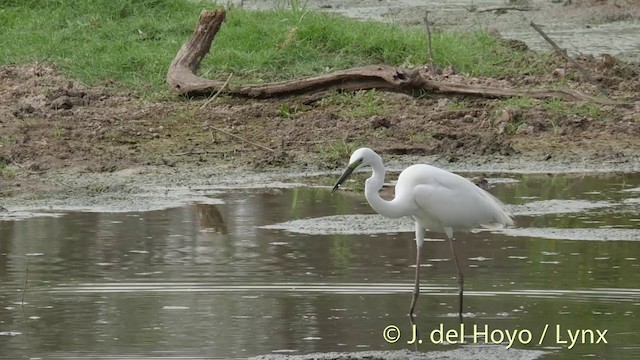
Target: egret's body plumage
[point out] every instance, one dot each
(437, 200)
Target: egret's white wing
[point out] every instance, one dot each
(453, 201)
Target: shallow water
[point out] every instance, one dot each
(234, 278)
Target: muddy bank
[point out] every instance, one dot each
(51, 123)
(154, 188)
(157, 187)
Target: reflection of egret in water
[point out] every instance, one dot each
(7, 234)
(341, 252)
(415, 332)
(210, 218)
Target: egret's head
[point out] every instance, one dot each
(359, 158)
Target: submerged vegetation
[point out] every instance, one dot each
(132, 42)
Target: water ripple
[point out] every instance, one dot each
(601, 234)
(604, 294)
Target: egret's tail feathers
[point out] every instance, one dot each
(505, 219)
(501, 215)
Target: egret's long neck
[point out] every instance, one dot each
(390, 209)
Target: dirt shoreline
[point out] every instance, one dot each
(146, 188)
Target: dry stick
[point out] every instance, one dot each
(241, 139)
(504, 8)
(24, 168)
(199, 152)
(563, 53)
(426, 21)
(217, 93)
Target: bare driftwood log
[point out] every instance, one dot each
(182, 79)
(181, 76)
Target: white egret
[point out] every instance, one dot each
(437, 200)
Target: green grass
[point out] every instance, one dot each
(557, 106)
(358, 104)
(6, 169)
(334, 153)
(514, 104)
(132, 42)
(457, 105)
(517, 103)
(566, 108)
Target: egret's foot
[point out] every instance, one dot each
(414, 301)
(411, 311)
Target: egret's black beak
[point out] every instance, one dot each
(345, 175)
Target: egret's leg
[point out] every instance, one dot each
(460, 277)
(416, 290)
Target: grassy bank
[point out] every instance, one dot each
(132, 42)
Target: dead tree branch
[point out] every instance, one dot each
(431, 63)
(505, 9)
(563, 53)
(217, 92)
(241, 139)
(182, 79)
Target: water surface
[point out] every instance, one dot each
(226, 280)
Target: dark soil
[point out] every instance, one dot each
(49, 123)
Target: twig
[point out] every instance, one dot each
(24, 168)
(305, 141)
(504, 8)
(198, 152)
(217, 93)
(241, 139)
(426, 21)
(564, 54)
